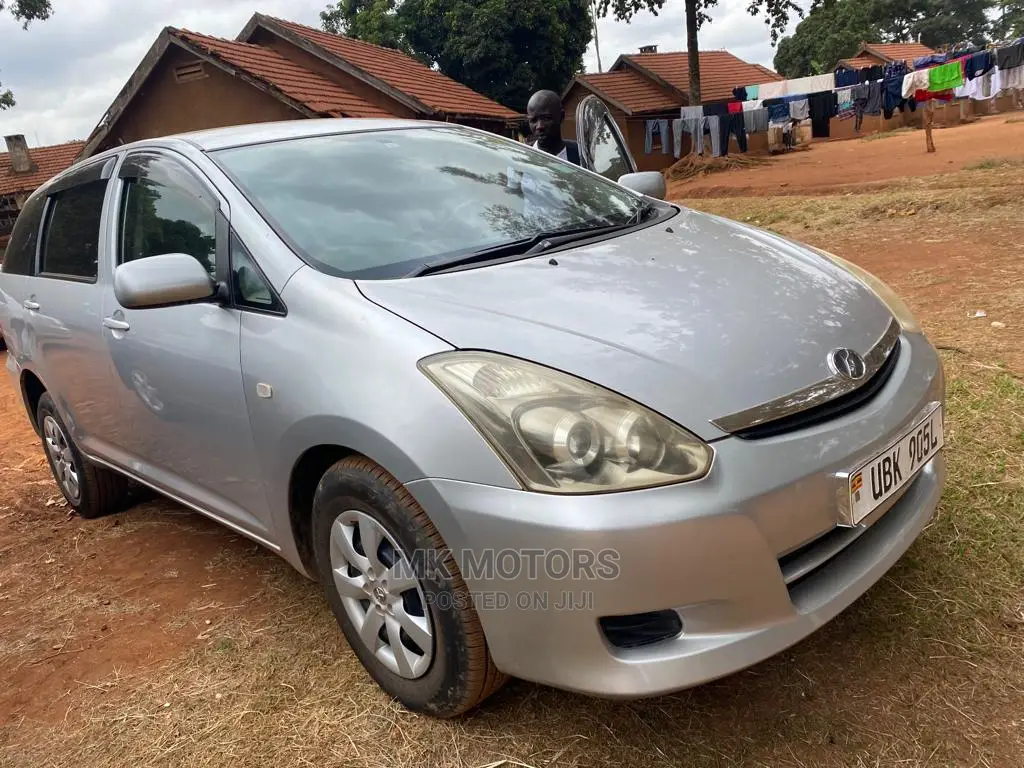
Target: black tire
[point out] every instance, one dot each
(101, 491)
(461, 673)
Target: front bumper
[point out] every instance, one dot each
(708, 550)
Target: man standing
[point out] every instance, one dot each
(545, 114)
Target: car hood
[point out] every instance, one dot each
(696, 317)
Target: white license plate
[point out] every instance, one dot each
(893, 468)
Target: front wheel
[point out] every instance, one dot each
(397, 593)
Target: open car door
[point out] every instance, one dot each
(603, 149)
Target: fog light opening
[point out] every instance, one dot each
(641, 629)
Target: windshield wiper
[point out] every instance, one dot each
(534, 244)
(527, 246)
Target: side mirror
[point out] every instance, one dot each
(156, 281)
(650, 183)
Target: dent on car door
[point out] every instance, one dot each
(603, 149)
(63, 300)
(182, 415)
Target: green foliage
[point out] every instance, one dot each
(504, 49)
(1009, 20)
(835, 29)
(25, 11)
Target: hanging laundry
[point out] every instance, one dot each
(719, 108)
(695, 127)
(691, 112)
(844, 97)
(1009, 57)
(715, 129)
(945, 77)
(812, 84)
(735, 106)
(978, 64)
(753, 92)
(772, 90)
(752, 104)
(923, 62)
(677, 137)
(799, 109)
(778, 110)
(1011, 78)
(823, 107)
(740, 93)
(846, 77)
(656, 129)
(755, 120)
(915, 81)
(867, 74)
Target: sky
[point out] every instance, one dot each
(66, 71)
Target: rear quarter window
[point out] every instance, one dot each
(71, 242)
(20, 258)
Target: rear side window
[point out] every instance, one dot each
(20, 258)
(71, 243)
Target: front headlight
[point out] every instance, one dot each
(561, 434)
(888, 296)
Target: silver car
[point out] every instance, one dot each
(516, 418)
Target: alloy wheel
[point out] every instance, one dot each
(64, 468)
(381, 594)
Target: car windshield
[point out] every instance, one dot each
(378, 204)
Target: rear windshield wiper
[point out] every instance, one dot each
(528, 246)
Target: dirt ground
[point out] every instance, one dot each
(155, 637)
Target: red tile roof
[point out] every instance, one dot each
(295, 81)
(49, 162)
(859, 62)
(897, 51)
(405, 74)
(632, 90)
(720, 72)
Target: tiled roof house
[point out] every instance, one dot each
(22, 171)
(872, 54)
(645, 86)
(279, 70)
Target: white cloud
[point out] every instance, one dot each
(731, 28)
(67, 70)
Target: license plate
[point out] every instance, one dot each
(893, 468)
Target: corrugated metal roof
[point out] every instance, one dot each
(49, 162)
(295, 81)
(405, 74)
(632, 90)
(720, 72)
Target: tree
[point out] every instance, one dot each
(25, 11)
(504, 49)
(776, 14)
(828, 33)
(1009, 23)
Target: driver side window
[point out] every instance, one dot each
(166, 210)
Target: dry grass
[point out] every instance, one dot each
(693, 166)
(925, 670)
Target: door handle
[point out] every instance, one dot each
(31, 306)
(114, 324)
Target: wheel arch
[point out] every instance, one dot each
(32, 389)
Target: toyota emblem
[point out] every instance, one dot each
(846, 363)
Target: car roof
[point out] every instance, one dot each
(238, 135)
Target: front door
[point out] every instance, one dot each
(602, 146)
(183, 423)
